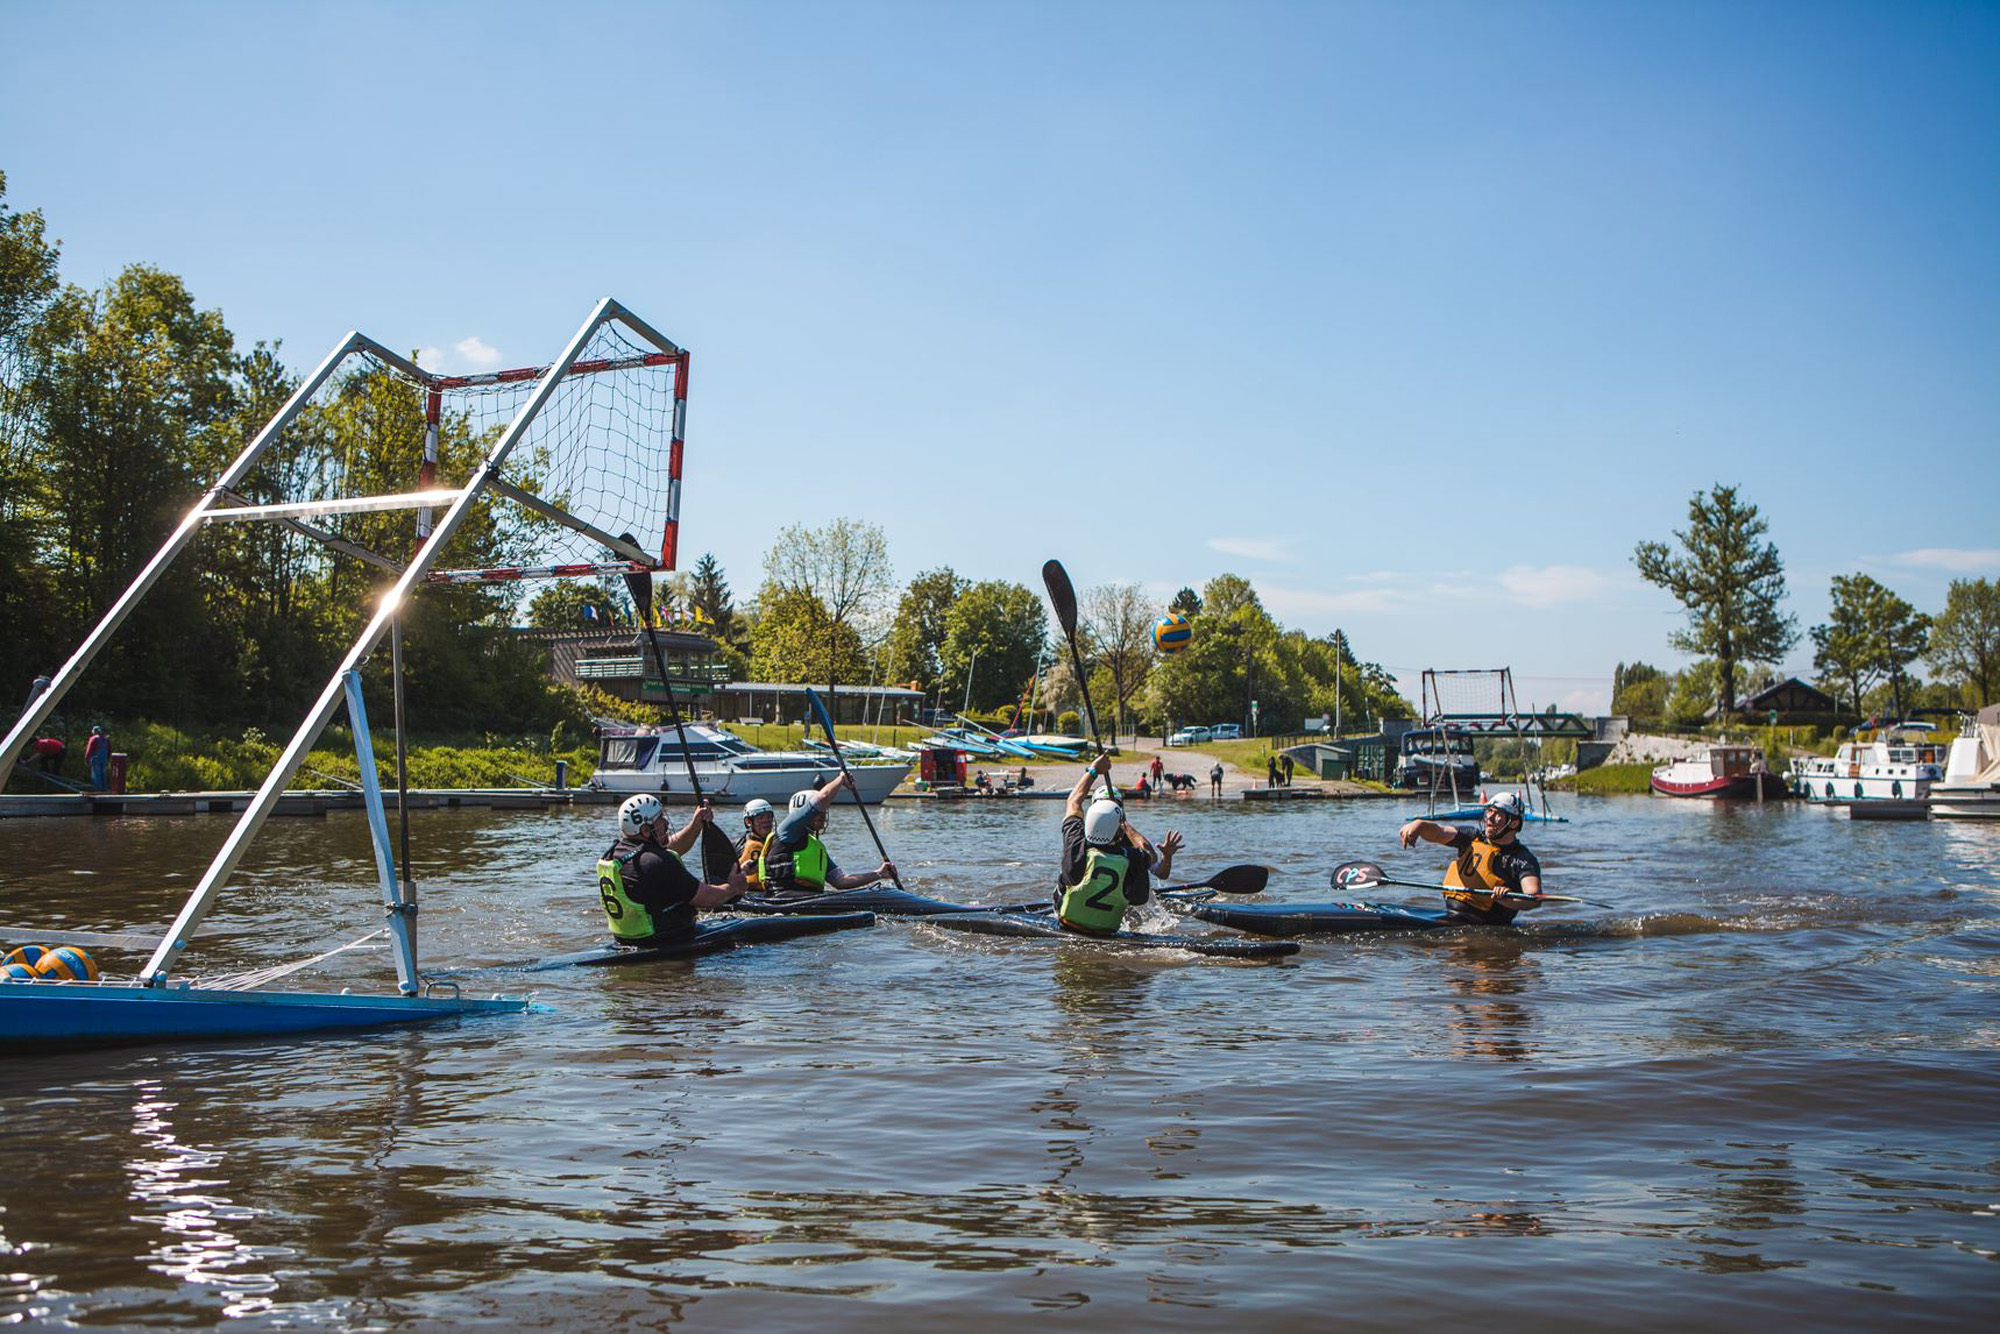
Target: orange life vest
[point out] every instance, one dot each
(1474, 871)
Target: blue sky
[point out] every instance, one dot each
(1417, 315)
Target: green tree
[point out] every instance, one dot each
(562, 605)
(1117, 628)
(915, 646)
(1871, 635)
(1005, 625)
(708, 593)
(798, 642)
(1729, 582)
(1640, 692)
(1186, 603)
(31, 621)
(1965, 639)
(844, 565)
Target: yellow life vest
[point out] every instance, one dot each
(629, 920)
(804, 869)
(1098, 903)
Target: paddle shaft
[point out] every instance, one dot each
(1062, 595)
(640, 585)
(1498, 893)
(833, 743)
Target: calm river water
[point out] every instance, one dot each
(1763, 1090)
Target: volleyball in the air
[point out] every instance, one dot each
(27, 956)
(67, 964)
(1172, 632)
(16, 972)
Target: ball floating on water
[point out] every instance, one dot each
(28, 956)
(1172, 632)
(67, 964)
(16, 972)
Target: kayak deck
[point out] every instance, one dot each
(708, 938)
(885, 900)
(1038, 927)
(1317, 919)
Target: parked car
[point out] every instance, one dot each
(1190, 736)
(1225, 732)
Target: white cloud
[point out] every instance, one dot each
(478, 352)
(1959, 560)
(1290, 604)
(1252, 548)
(1552, 585)
(430, 358)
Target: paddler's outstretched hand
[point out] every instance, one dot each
(1102, 764)
(886, 872)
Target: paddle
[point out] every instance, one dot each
(718, 854)
(826, 723)
(1062, 596)
(1367, 875)
(1229, 880)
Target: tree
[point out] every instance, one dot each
(564, 605)
(1640, 692)
(1965, 639)
(1872, 634)
(915, 645)
(708, 593)
(1005, 625)
(799, 642)
(1118, 627)
(31, 624)
(844, 565)
(1730, 584)
(1185, 603)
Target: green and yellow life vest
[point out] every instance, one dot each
(628, 920)
(1098, 904)
(805, 869)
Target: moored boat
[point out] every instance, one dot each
(1970, 787)
(1898, 762)
(650, 759)
(1723, 772)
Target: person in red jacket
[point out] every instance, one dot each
(97, 754)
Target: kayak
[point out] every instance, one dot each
(708, 938)
(1479, 812)
(1042, 927)
(1316, 919)
(886, 900)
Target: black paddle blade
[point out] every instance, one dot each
(718, 854)
(1061, 594)
(1238, 880)
(639, 584)
(1357, 875)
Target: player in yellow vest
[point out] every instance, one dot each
(758, 817)
(1491, 861)
(1107, 865)
(795, 861)
(649, 897)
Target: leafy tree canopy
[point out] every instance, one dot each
(1965, 640)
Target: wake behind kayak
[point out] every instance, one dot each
(1042, 927)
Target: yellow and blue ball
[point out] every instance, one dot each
(67, 964)
(28, 956)
(17, 972)
(1172, 632)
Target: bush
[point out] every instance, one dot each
(1069, 722)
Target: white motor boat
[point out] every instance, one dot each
(1899, 762)
(1970, 789)
(731, 770)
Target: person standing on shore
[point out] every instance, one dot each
(1155, 769)
(1215, 781)
(97, 754)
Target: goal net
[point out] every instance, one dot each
(1469, 696)
(380, 448)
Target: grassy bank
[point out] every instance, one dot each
(1610, 780)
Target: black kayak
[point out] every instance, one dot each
(1043, 927)
(708, 938)
(886, 900)
(1317, 919)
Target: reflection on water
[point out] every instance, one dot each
(1659, 1114)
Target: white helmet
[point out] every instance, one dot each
(801, 799)
(755, 807)
(1510, 805)
(1101, 821)
(638, 812)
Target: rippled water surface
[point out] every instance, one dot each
(1762, 1089)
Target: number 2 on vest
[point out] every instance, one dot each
(1099, 897)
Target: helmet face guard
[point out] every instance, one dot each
(1510, 809)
